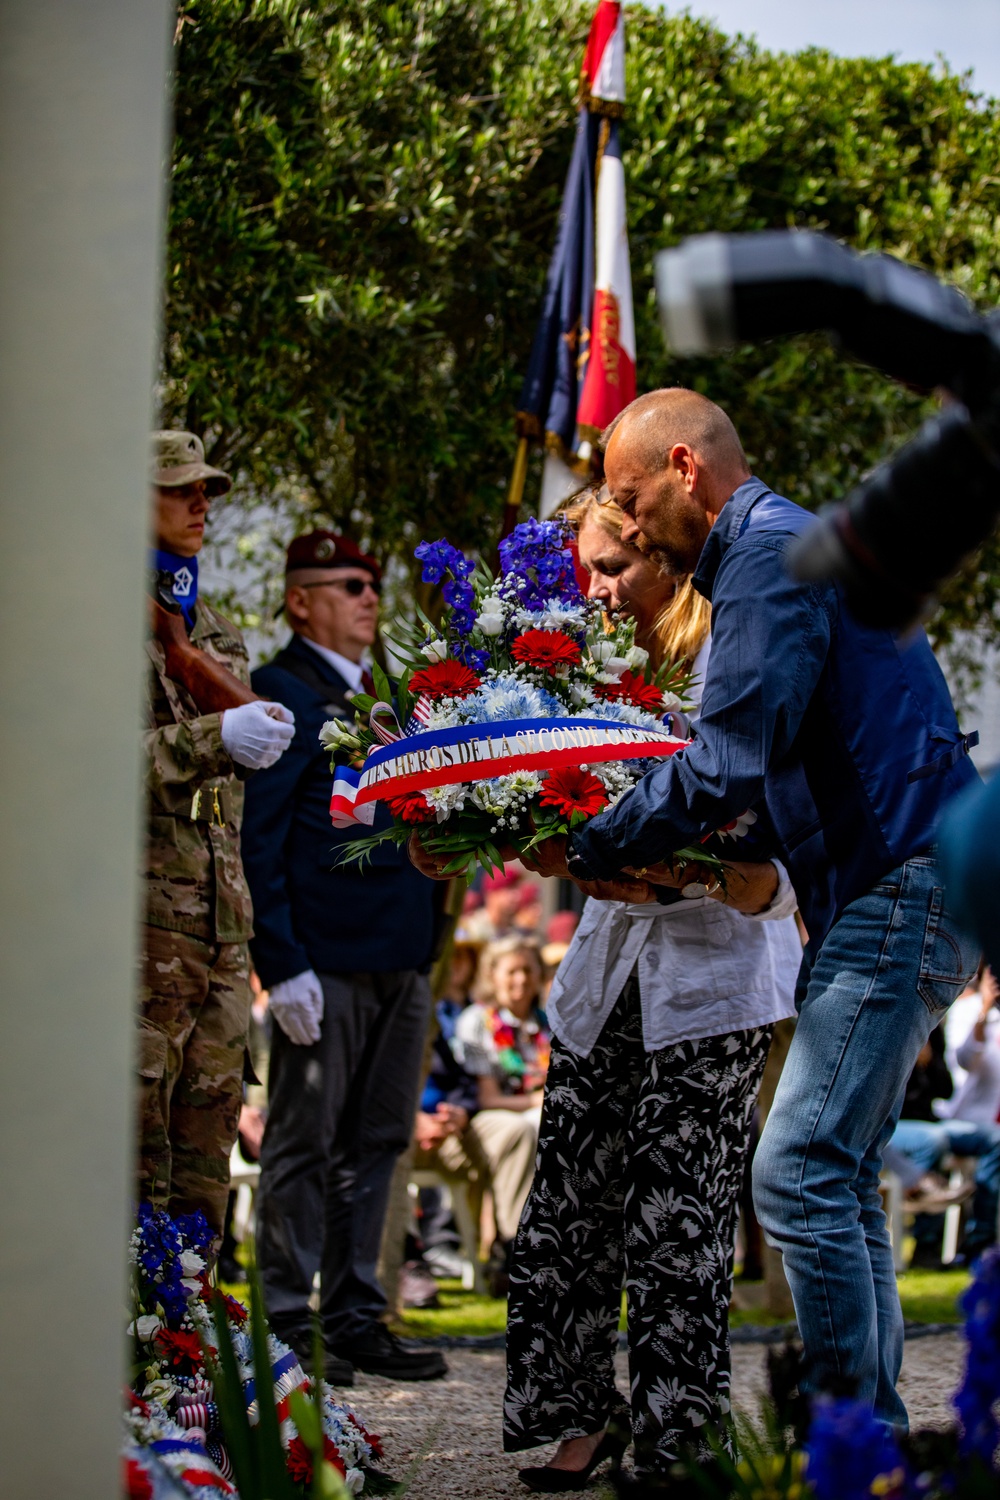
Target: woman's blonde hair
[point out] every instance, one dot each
(514, 942)
(681, 628)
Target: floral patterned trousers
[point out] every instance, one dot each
(641, 1158)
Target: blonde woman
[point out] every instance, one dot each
(661, 1018)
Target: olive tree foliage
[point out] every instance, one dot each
(364, 200)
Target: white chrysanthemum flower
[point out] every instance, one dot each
(446, 799)
(556, 616)
(442, 715)
(582, 694)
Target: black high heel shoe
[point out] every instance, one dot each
(548, 1481)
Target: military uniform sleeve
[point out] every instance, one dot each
(181, 757)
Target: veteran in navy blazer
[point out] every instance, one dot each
(345, 954)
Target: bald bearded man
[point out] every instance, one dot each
(846, 739)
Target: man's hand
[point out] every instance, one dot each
(257, 734)
(431, 865)
(747, 887)
(430, 1130)
(549, 858)
(750, 888)
(297, 1006)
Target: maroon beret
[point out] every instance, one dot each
(325, 549)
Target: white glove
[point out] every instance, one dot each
(257, 734)
(297, 1006)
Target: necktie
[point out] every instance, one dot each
(368, 683)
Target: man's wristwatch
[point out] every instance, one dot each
(576, 866)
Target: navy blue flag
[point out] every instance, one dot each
(558, 364)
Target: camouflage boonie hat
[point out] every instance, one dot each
(179, 458)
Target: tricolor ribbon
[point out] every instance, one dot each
(476, 752)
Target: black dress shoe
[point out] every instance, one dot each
(548, 1481)
(335, 1370)
(379, 1352)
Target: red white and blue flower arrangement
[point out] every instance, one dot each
(524, 713)
(179, 1435)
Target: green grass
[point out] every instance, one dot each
(460, 1313)
(926, 1296)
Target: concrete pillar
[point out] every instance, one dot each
(83, 96)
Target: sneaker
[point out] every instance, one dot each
(444, 1262)
(379, 1352)
(335, 1370)
(932, 1194)
(417, 1287)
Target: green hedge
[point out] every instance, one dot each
(364, 200)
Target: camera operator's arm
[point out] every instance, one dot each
(770, 638)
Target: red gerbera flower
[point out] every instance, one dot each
(574, 790)
(411, 807)
(179, 1348)
(299, 1461)
(631, 688)
(371, 1438)
(444, 679)
(548, 649)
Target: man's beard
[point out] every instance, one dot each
(667, 558)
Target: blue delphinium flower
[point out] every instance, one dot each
(537, 565)
(848, 1449)
(975, 1398)
(158, 1245)
(440, 559)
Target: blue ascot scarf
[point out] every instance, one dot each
(185, 571)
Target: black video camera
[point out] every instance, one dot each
(910, 524)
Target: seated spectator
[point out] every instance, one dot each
(919, 1146)
(503, 1041)
(501, 902)
(972, 1033)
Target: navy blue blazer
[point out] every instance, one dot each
(308, 912)
(847, 733)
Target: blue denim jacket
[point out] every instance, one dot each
(847, 734)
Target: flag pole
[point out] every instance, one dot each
(515, 490)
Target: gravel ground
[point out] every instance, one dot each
(445, 1434)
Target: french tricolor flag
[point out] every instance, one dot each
(581, 373)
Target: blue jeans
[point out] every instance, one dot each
(924, 1142)
(884, 975)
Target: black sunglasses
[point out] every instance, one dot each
(353, 586)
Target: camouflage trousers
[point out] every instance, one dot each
(194, 1014)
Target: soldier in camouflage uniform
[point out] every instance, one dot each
(195, 993)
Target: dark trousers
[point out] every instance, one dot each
(340, 1113)
(641, 1157)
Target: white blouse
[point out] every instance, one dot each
(703, 968)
